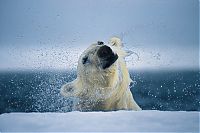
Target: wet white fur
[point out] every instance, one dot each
(102, 90)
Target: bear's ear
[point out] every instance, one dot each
(70, 89)
(115, 41)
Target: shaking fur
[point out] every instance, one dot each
(101, 89)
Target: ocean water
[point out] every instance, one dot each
(153, 90)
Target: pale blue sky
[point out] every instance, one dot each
(163, 32)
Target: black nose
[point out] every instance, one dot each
(104, 52)
(107, 57)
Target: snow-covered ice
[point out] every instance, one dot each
(123, 121)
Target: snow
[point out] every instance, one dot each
(116, 121)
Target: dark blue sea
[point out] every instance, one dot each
(38, 91)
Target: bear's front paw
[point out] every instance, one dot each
(66, 90)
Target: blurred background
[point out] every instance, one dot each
(41, 40)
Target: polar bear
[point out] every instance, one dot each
(103, 80)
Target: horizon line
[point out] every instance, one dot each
(75, 69)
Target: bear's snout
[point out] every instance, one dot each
(104, 52)
(107, 56)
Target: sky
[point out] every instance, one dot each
(51, 34)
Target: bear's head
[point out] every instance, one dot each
(98, 56)
(101, 68)
(96, 62)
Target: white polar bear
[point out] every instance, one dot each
(103, 80)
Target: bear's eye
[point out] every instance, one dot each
(85, 60)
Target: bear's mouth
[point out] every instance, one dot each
(107, 56)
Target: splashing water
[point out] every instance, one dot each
(40, 91)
